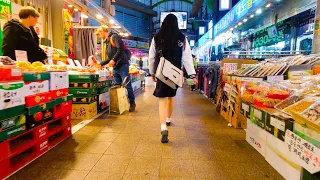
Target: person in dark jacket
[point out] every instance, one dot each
(20, 35)
(117, 57)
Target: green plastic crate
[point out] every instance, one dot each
(41, 76)
(81, 92)
(83, 78)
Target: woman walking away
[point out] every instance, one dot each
(173, 46)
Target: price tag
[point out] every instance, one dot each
(71, 63)
(229, 68)
(245, 107)
(302, 152)
(258, 114)
(78, 64)
(274, 78)
(278, 124)
(21, 55)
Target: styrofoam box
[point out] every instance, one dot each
(59, 80)
(261, 133)
(253, 139)
(283, 168)
(37, 87)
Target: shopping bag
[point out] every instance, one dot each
(118, 98)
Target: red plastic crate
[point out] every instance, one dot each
(62, 109)
(45, 139)
(60, 93)
(38, 99)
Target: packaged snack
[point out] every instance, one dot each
(300, 106)
(313, 113)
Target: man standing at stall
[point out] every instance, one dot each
(117, 58)
(20, 35)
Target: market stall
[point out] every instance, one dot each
(277, 102)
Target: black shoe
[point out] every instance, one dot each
(165, 138)
(132, 108)
(168, 123)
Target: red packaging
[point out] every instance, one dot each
(38, 99)
(60, 93)
(10, 73)
(62, 109)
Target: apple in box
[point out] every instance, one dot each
(36, 87)
(12, 94)
(59, 80)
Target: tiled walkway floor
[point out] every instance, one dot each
(201, 146)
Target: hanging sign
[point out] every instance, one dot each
(242, 8)
(303, 152)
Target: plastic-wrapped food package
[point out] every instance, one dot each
(288, 101)
(269, 95)
(301, 105)
(313, 113)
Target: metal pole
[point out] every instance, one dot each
(316, 33)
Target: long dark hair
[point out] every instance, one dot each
(169, 32)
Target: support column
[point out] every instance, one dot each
(316, 33)
(57, 24)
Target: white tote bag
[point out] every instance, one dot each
(169, 74)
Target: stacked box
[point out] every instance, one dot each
(84, 88)
(103, 95)
(37, 115)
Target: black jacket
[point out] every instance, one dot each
(116, 53)
(18, 37)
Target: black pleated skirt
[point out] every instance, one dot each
(162, 90)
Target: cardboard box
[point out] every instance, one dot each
(37, 115)
(12, 94)
(258, 116)
(37, 99)
(81, 92)
(245, 109)
(260, 133)
(83, 77)
(136, 85)
(282, 166)
(84, 100)
(12, 112)
(12, 126)
(36, 76)
(82, 85)
(10, 73)
(307, 134)
(36, 87)
(240, 122)
(59, 80)
(60, 93)
(257, 143)
(63, 106)
(84, 111)
(103, 101)
(277, 126)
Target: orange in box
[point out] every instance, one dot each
(60, 93)
(38, 99)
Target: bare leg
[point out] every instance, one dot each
(163, 115)
(170, 106)
(163, 110)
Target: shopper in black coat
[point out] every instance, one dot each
(20, 35)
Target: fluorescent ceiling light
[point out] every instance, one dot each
(99, 16)
(121, 34)
(125, 34)
(259, 11)
(252, 16)
(231, 29)
(268, 5)
(236, 26)
(240, 23)
(245, 20)
(116, 27)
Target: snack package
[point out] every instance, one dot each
(313, 113)
(288, 102)
(301, 105)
